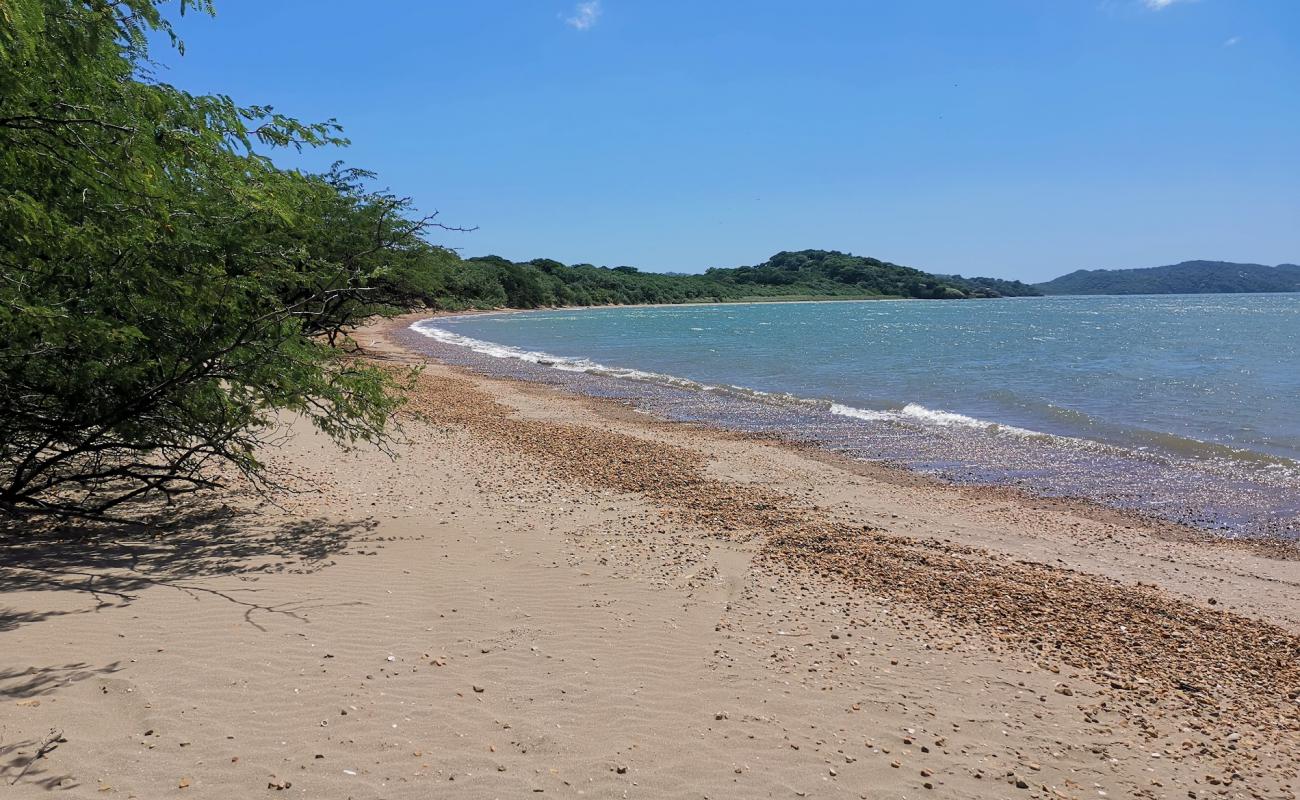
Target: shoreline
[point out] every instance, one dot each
(1203, 486)
(1274, 547)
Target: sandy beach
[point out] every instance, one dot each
(543, 594)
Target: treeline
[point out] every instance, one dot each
(445, 281)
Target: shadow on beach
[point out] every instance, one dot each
(111, 563)
(93, 567)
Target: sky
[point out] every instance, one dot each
(1009, 138)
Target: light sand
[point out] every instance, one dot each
(546, 594)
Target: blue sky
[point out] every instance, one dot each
(1013, 138)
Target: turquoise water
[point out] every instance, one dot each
(1210, 381)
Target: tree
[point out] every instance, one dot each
(378, 259)
(161, 280)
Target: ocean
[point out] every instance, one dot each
(1184, 407)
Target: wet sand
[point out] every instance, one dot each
(549, 594)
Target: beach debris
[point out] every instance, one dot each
(48, 744)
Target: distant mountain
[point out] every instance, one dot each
(1189, 277)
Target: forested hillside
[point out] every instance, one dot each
(1189, 277)
(443, 280)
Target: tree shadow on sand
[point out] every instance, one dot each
(23, 760)
(92, 567)
(111, 563)
(21, 684)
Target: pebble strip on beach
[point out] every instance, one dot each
(1231, 679)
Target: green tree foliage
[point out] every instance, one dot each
(162, 283)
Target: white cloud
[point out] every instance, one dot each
(1232, 41)
(584, 16)
(1157, 5)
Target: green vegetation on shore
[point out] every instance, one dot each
(1189, 277)
(448, 282)
(165, 289)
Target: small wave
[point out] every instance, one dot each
(917, 413)
(540, 358)
(1145, 440)
(943, 418)
(1211, 451)
(949, 418)
(862, 413)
